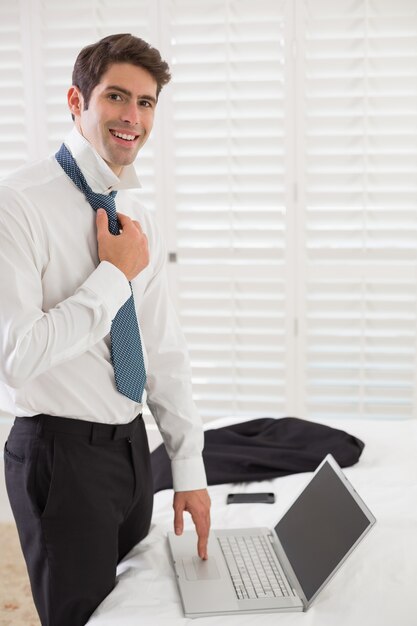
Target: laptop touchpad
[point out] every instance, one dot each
(196, 569)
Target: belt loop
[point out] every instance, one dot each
(93, 434)
(39, 427)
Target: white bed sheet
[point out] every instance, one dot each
(375, 587)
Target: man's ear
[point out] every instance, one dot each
(75, 101)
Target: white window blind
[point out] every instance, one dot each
(357, 124)
(281, 170)
(230, 187)
(13, 129)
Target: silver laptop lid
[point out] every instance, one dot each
(321, 528)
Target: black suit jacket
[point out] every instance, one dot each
(262, 449)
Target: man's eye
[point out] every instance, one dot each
(115, 96)
(145, 103)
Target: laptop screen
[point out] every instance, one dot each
(320, 528)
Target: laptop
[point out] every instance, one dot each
(261, 570)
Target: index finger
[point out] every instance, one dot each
(202, 526)
(125, 220)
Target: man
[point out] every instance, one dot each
(85, 319)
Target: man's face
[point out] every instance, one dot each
(120, 113)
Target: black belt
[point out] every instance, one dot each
(94, 430)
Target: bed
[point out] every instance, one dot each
(376, 585)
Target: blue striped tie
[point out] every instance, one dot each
(126, 347)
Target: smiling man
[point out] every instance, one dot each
(86, 325)
(117, 117)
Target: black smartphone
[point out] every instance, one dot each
(250, 498)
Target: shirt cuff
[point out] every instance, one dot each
(188, 474)
(110, 285)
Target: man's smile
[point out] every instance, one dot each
(123, 136)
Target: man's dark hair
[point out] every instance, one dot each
(94, 60)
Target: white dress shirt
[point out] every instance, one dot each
(57, 302)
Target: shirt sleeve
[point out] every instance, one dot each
(168, 385)
(33, 340)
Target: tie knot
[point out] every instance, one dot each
(102, 201)
(106, 202)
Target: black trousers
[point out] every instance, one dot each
(81, 494)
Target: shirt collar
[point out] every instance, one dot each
(97, 173)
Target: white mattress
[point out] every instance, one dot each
(375, 587)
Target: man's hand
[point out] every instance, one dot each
(197, 503)
(127, 251)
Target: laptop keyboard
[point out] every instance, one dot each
(253, 568)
